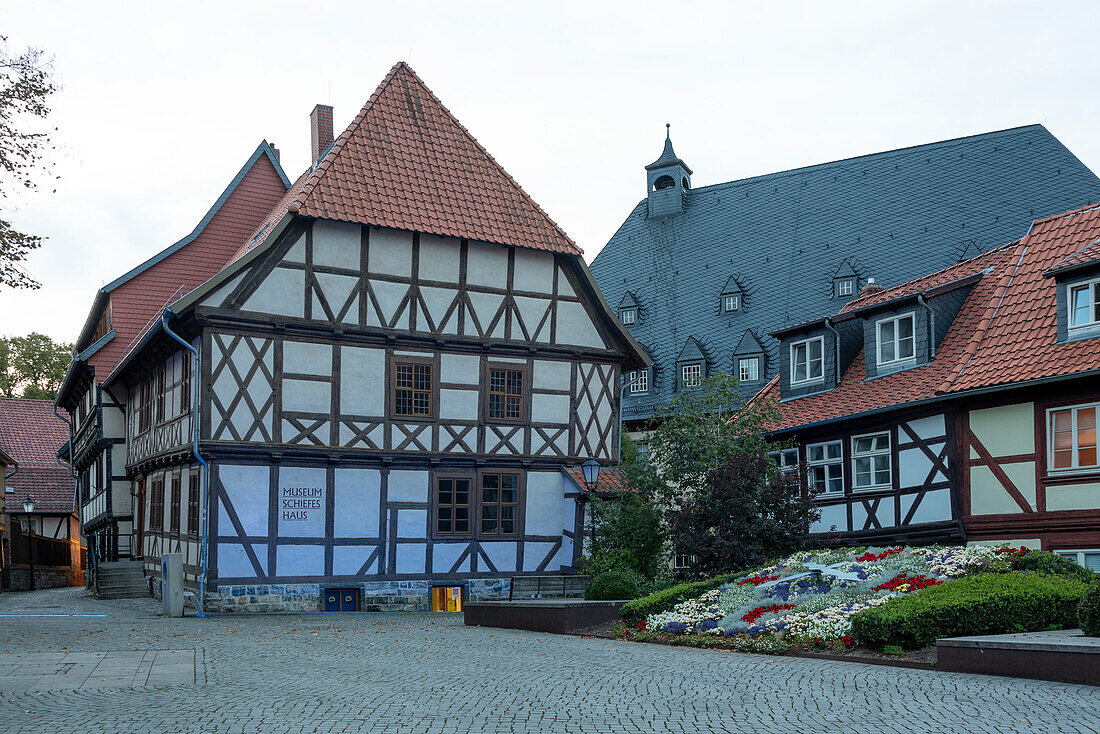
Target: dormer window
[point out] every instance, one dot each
(731, 302)
(845, 287)
(896, 340)
(691, 374)
(748, 369)
(638, 381)
(808, 361)
(628, 316)
(1084, 304)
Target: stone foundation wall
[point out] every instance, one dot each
(374, 596)
(46, 578)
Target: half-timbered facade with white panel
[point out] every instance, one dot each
(391, 383)
(962, 404)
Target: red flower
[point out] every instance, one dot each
(869, 556)
(915, 582)
(1012, 551)
(848, 641)
(640, 625)
(757, 613)
(756, 580)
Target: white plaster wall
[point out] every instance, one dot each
(439, 258)
(356, 503)
(503, 554)
(1006, 429)
(988, 497)
(304, 477)
(552, 375)
(307, 396)
(307, 358)
(564, 289)
(297, 251)
(362, 381)
(928, 427)
(935, 507)
(833, 517)
(534, 271)
(1073, 497)
(459, 405)
(390, 252)
(282, 292)
(247, 488)
(444, 556)
(545, 496)
(300, 560)
(336, 244)
(407, 486)
(884, 515)
(533, 553)
(389, 296)
(550, 408)
(218, 297)
(487, 265)
(233, 561)
(460, 369)
(438, 301)
(348, 559)
(914, 465)
(411, 558)
(412, 523)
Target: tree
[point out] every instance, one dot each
(750, 512)
(32, 366)
(628, 527)
(25, 86)
(697, 431)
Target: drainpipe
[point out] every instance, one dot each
(76, 488)
(836, 351)
(165, 316)
(931, 323)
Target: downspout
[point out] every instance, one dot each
(195, 366)
(836, 350)
(76, 489)
(931, 323)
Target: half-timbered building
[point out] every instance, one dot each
(959, 405)
(390, 379)
(121, 313)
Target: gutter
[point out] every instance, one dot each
(165, 316)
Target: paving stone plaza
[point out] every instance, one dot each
(429, 673)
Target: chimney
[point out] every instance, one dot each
(320, 123)
(275, 152)
(870, 288)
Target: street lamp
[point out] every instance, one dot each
(591, 471)
(28, 507)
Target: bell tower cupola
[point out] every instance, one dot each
(668, 180)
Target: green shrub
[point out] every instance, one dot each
(984, 604)
(1088, 610)
(665, 599)
(612, 585)
(1052, 563)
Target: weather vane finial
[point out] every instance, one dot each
(667, 132)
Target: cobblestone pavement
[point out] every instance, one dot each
(428, 673)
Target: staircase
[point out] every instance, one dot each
(121, 580)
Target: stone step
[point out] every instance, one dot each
(144, 593)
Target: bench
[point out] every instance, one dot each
(548, 587)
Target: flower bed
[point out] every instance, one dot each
(748, 613)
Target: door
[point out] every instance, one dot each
(341, 600)
(138, 551)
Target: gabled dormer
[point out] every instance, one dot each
(668, 179)
(691, 365)
(814, 356)
(1078, 294)
(630, 310)
(732, 298)
(750, 360)
(845, 283)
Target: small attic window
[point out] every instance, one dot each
(628, 316)
(748, 369)
(731, 302)
(845, 287)
(691, 374)
(664, 182)
(1084, 304)
(684, 183)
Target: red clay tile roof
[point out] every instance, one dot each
(1005, 333)
(406, 162)
(1087, 255)
(32, 434)
(612, 480)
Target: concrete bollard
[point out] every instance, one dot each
(171, 584)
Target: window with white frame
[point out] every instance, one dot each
(785, 459)
(845, 287)
(731, 302)
(808, 361)
(1084, 304)
(643, 453)
(748, 369)
(896, 340)
(691, 374)
(1071, 437)
(683, 561)
(1090, 559)
(825, 467)
(871, 461)
(628, 316)
(639, 380)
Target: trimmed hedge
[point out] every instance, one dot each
(1052, 563)
(665, 599)
(985, 604)
(1088, 611)
(612, 585)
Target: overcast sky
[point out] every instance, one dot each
(160, 107)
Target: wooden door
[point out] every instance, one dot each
(138, 549)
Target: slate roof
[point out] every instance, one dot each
(31, 434)
(893, 216)
(1005, 333)
(406, 162)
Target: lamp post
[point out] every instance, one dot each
(28, 507)
(591, 471)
